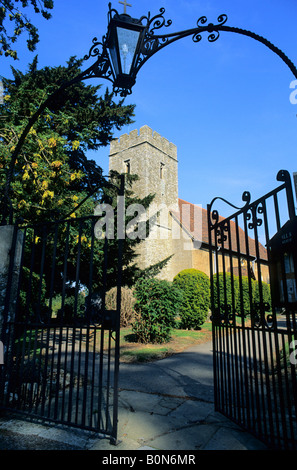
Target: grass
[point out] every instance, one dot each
(131, 351)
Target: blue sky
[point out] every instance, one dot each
(226, 105)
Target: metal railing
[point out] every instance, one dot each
(254, 324)
(61, 344)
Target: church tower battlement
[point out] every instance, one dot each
(146, 134)
(153, 158)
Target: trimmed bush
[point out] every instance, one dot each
(156, 307)
(266, 295)
(228, 292)
(195, 288)
(233, 292)
(127, 304)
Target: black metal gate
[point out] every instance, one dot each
(61, 344)
(253, 263)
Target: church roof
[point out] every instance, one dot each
(199, 231)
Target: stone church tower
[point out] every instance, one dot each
(181, 229)
(154, 159)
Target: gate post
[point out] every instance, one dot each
(11, 243)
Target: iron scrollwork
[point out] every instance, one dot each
(157, 22)
(223, 315)
(252, 215)
(261, 316)
(154, 42)
(222, 227)
(214, 214)
(221, 234)
(101, 68)
(214, 33)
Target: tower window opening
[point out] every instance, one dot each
(162, 170)
(127, 167)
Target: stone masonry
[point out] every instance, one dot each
(154, 159)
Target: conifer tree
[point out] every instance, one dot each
(52, 173)
(14, 21)
(53, 177)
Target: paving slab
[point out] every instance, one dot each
(165, 405)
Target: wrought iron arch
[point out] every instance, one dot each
(150, 45)
(153, 43)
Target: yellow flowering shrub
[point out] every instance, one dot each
(75, 145)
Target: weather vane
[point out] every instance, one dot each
(125, 5)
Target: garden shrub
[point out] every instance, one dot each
(242, 304)
(246, 307)
(228, 291)
(73, 308)
(32, 296)
(266, 295)
(195, 288)
(156, 308)
(127, 304)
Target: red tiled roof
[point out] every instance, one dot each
(200, 233)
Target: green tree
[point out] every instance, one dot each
(156, 308)
(195, 288)
(226, 290)
(131, 271)
(53, 178)
(52, 173)
(14, 21)
(242, 296)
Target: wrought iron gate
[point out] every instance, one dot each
(253, 263)
(61, 344)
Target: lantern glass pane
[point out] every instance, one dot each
(128, 39)
(113, 54)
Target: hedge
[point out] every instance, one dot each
(195, 288)
(156, 307)
(229, 292)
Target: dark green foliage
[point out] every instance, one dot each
(52, 167)
(11, 14)
(195, 288)
(53, 178)
(266, 295)
(227, 291)
(32, 303)
(156, 307)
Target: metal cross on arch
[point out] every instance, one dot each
(125, 5)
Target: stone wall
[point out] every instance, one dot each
(201, 260)
(154, 159)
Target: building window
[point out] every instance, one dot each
(127, 167)
(162, 170)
